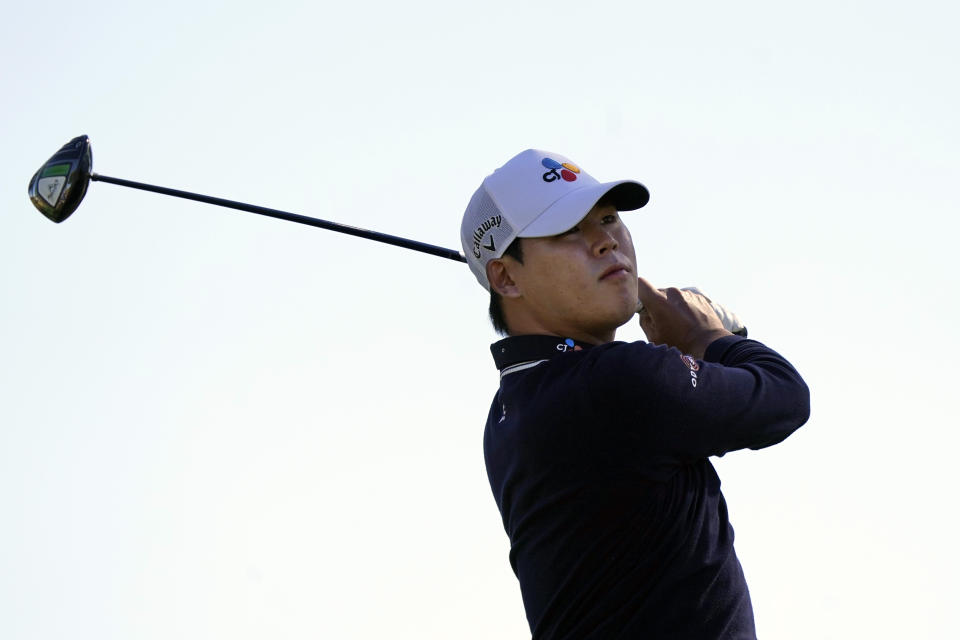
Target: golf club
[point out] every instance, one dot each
(58, 187)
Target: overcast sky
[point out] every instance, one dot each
(217, 425)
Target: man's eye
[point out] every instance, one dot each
(570, 230)
(609, 219)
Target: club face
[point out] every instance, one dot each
(57, 187)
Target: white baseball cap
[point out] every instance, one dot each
(534, 195)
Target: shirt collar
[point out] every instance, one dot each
(530, 350)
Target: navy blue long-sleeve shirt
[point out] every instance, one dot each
(597, 457)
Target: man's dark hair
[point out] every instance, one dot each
(515, 251)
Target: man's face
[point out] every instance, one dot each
(582, 283)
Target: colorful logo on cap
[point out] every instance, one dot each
(557, 170)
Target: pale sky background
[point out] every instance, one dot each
(217, 425)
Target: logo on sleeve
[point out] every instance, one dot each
(566, 171)
(691, 364)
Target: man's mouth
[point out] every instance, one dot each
(615, 271)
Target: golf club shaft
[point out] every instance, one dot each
(292, 217)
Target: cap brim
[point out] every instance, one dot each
(625, 195)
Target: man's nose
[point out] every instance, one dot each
(604, 243)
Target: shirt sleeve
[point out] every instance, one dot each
(741, 395)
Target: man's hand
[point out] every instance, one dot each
(681, 319)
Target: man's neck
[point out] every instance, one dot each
(521, 321)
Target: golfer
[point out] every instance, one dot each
(597, 451)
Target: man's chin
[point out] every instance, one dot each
(627, 307)
(616, 319)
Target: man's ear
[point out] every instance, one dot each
(501, 280)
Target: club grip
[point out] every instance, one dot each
(731, 322)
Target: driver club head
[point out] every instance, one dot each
(57, 188)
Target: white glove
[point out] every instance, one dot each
(730, 321)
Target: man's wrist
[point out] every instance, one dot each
(699, 345)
